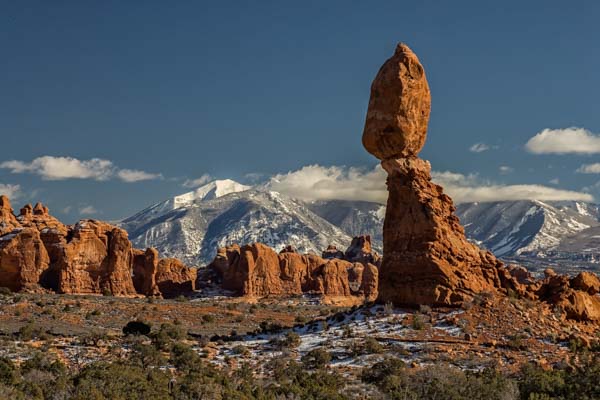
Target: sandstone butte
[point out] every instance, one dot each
(256, 270)
(427, 259)
(39, 253)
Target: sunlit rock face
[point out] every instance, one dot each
(426, 256)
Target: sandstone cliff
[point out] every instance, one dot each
(38, 252)
(257, 270)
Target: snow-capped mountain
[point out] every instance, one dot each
(515, 228)
(193, 225)
(353, 217)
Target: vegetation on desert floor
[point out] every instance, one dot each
(139, 377)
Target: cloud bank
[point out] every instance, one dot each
(12, 191)
(52, 168)
(193, 183)
(589, 169)
(135, 175)
(564, 141)
(479, 148)
(315, 182)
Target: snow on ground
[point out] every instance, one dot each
(342, 333)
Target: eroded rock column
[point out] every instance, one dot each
(426, 256)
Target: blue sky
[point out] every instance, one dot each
(167, 93)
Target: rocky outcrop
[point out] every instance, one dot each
(576, 297)
(359, 251)
(332, 252)
(257, 270)
(8, 222)
(23, 260)
(174, 279)
(97, 259)
(91, 257)
(427, 258)
(145, 266)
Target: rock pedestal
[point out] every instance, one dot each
(426, 256)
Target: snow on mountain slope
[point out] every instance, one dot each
(193, 229)
(353, 217)
(517, 227)
(211, 190)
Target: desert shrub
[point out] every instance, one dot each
(146, 356)
(417, 322)
(120, 381)
(372, 346)
(440, 382)
(136, 328)
(580, 382)
(241, 350)
(209, 318)
(316, 359)
(8, 372)
(184, 358)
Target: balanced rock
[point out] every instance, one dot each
(426, 256)
(399, 107)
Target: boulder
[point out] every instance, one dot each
(587, 282)
(399, 107)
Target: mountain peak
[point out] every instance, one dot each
(211, 190)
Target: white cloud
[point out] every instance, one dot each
(589, 169)
(67, 209)
(505, 169)
(563, 141)
(11, 191)
(469, 188)
(479, 148)
(192, 183)
(60, 168)
(88, 210)
(555, 181)
(316, 182)
(135, 175)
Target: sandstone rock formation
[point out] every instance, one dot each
(38, 252)
(427, 258)
(399, 107)
(8, 222)
(23, 260)
(257, 270)
(576, 297)
(173, 278)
